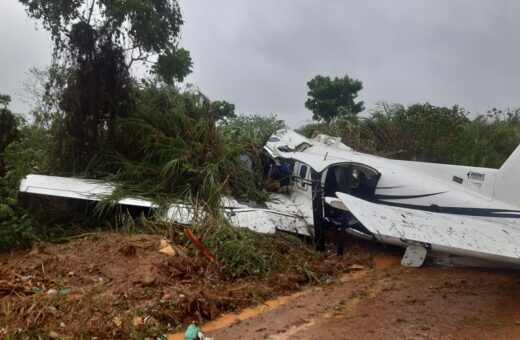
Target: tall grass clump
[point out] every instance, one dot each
(252, 131)
(247, 253)
(173, 151)
(488, 140)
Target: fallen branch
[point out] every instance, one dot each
(199, 245)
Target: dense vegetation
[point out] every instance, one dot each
(423, 132)
(95, 45)
(175, 150)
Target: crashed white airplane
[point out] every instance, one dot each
(453, 213)
(447, 211)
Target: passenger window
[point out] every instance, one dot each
(303, 171)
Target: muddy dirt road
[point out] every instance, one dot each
(392, 302)
(122, 286)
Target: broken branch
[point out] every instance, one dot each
(199, 245)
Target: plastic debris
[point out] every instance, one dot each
(63, 291)
(192, 333)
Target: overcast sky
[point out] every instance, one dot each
(260, 54)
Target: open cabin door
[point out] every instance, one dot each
(350, 178)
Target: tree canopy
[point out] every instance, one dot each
(96, 42)
(223, 110)
(330, 98)
(5, 99)
(141, 28)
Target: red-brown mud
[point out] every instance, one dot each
(392, 302)
(121, 286)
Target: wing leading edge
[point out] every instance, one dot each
(452, 234)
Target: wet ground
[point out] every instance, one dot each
(390, 302)
(108, 286)
(117, 286)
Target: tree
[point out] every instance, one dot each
(5, 99)
(329, 99)
(8, 129)
(96, 42)
(222, 110)
(140, 28)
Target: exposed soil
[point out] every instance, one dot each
(121, 286)
(392, 302)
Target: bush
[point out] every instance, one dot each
(250, 130)
(422, 132)
(243, 252)
(18, 157)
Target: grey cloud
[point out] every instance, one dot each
(21, 48)
(260, 54)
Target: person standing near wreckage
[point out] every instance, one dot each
(279, 177)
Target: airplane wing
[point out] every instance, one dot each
(76, 188)
(452, 234)
(282, 214)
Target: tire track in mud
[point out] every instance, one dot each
(348, 308)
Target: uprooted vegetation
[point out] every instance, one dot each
(171, 151)
(114, 285)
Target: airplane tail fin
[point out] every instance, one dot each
(507, 183)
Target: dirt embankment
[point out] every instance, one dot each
(113, 285)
